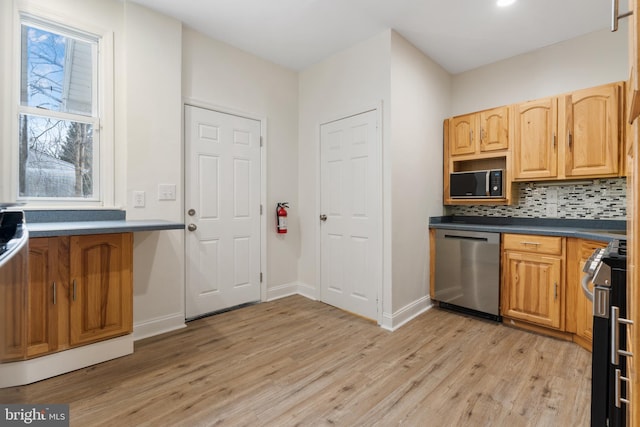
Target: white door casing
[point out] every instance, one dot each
(351, 199)
(222, 163)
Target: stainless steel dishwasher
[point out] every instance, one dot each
(467, 276)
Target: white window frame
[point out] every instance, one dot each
(104, 167)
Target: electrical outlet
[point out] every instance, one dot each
(552, 195)
(166, 192)
(138, 199)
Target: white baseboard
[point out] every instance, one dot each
(393, 321)
(308, 291)
(157, 326)
(293, 288)
(282, 291)
(390, 322)
(32, 370)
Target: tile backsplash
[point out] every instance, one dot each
(597, 199)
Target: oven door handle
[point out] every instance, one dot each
(585, 286)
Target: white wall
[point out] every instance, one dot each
(6, 127)
(589, 60)
(420, 100)
(97, 16)
(415, 93)
(152, 155)
(220, 75)
(346, 83)
(147, 137)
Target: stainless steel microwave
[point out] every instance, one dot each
(477, 184)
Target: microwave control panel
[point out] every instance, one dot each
(495, 183)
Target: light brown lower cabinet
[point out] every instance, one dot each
(533, 279)
(579, 308)
(80, 291)
(541, 285)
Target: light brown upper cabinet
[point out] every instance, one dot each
(494, 129)
(592, 131)
(576, 135)
(536, 139)
(462, 134)
(480, 132)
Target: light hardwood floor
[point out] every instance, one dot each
(300, 362)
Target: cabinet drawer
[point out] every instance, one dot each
(533, 243)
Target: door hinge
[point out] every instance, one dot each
(261, 277)
(261, 143)
(260, 209)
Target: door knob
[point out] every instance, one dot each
(323, 217)
(191, 212)
(192, 227)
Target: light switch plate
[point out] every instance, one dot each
(166, 192)
(552, 210)
(552, 195)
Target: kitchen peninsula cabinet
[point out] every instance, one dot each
(48, 283)
(533, 279)
(101, 294)
(575, 135)
(80, 290)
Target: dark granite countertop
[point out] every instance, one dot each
(51, 223)
(600, 230)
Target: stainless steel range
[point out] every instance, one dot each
(607, 269)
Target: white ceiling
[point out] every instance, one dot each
(458, 34)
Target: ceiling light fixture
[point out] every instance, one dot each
(504, 3)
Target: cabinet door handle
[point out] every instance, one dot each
(530, 243)
(554, 140)
(570, 140)
(615, 17)
(74, 289)
(54, 293)
(471, 136)
(555, 290)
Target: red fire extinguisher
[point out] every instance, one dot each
(281, 217)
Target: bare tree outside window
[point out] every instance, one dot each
(57, 114)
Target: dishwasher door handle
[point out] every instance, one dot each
(477, 239)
